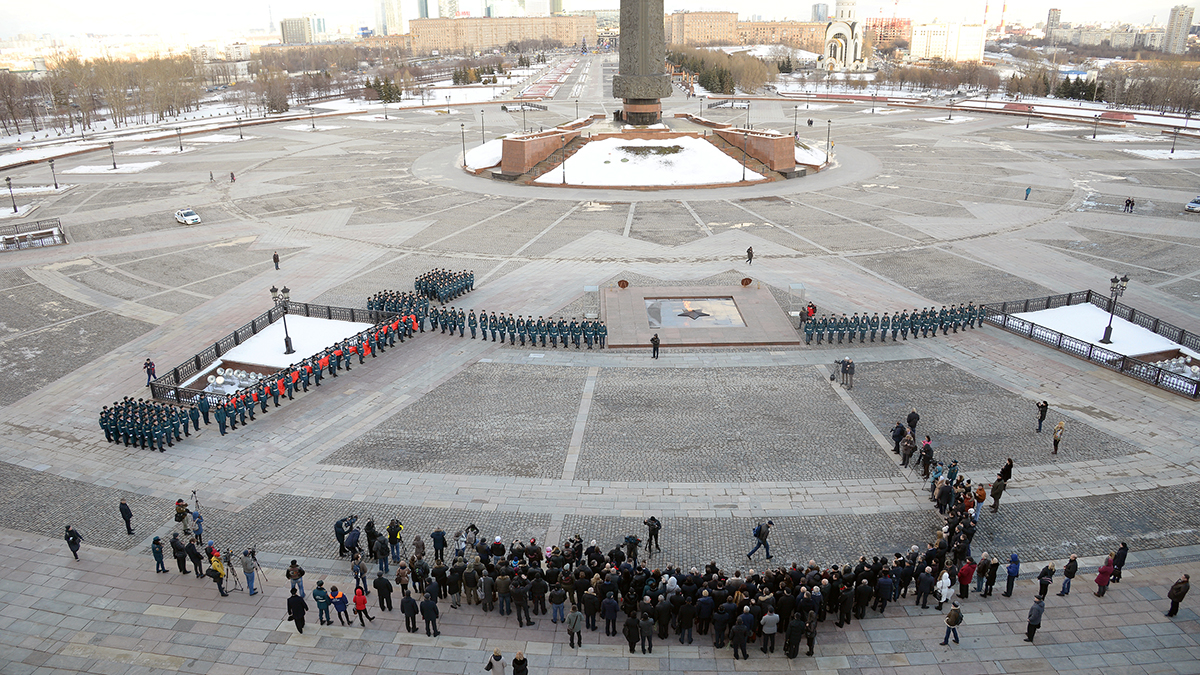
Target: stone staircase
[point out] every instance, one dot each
(555, 158)
(735, 151)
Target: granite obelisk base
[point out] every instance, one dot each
(640, 80)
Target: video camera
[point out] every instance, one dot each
(632, 540)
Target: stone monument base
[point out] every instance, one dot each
(642, 111)
(728, 316)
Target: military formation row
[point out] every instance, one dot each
(444, 285)
(539, 330)
(901, 323)
(150, 424)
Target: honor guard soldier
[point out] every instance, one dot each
(808, 332)
(521, 330)
(885, 324)
(821, 326)
(842, 324)
(494, 325)
(473, 323)
(944, 320)
(552, 330)
(602, 334)
(852, 325)
(589, 332)
(863, 325)
(576, 333)
(873, 323)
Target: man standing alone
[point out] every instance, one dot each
(654, 342)
(1042, 408)
(1178, 592)
(1035, 618)
(275, 259)
(127, 516)
(750, 255)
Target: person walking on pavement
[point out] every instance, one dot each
(156, 549)
(1119, 562)
(998, 491)
(912, 420)
(653, 526)
(383, 589)
(1103, 577)
(1035, 618)
(575, 627)
(750, 255)
(1058, 434)
(1178, 592)
(953, 619)
(73, 539)
(275, 259)
(1027, 191)
(430, 613)
(761, 532)
(296, 607)
(1042, 408)
(148, 366)
(654, 342)
(360, 607)
(127, 516)
(1014, 571)
(1069, 571)
(496, 664)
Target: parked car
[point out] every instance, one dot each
(1193, 205)
(187, 217)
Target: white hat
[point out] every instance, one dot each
(498, 540)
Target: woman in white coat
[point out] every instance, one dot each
(944, 588)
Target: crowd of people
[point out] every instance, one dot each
(444, 285)
(921, 323)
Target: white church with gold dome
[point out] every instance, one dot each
(844, 39)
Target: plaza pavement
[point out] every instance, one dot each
(549, 443)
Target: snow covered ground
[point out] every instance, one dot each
(45, 152)
(950, 120)
(22, 210)
(41, 189)
(809, 155)
(606, 163)
(486, 155)
(107, 168)
(309, 336)
(173, 150)
(1049, 126)
(1129, 138)
(221, 138)
(880, 111)
(1162, 153)
(1086, 322)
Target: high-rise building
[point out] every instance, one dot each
(450, 35)
(390, 18)
(1053, 20)
(296, 31)
(1178, 27)
(422, 9)
(820, 13)
(556, 7)
(701, 28)
(447, 9)
(948, 42)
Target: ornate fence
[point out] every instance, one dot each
(169, 387)
(35, 234)
(1000, 315)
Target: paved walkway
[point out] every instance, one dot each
(109, 612)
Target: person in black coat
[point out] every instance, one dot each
(409, 608)
(194, 554)
(1119, 562)
(912, 420)
(898, 434)
(925, 583)
(179, 553)
(720, 623)
(631, 632)
(608, 609)
(384, 588)
(862, 598)
(686, 617)
(429, 612)
(845, 606)
(296, 608)
(591, 607)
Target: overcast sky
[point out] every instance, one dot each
(67, 17)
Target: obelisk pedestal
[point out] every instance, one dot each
(640, 81)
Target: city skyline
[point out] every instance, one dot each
(62, 18)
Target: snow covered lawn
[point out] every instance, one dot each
(486, 155)
(1049, 126)
(41, 189)
(881, 111)
(1086, 322)
(952, 120)
(1129, 138)
(809, 155)
(1163, 153)
(107, 168)
(22, 210)
(309, 336)
(45, 152)
(173, 150)
(221, 138)
(617, 162)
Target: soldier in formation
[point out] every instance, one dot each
(444, 285)
(923, 322)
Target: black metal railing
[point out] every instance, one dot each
(1001, 315)
(37, 234)
(35, 226)
(169, 387)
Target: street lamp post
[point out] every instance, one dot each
(114, 155)
(312, 117)
(385, 110)
(462, 128)
(747, 114)
(702, 106)
(1030, 116)
(281, 299)
(239, 121)
(950, 110)
(1116, 288)
(482, 133)
(53, 174)
(8, 181)
(576, 108)
(1173, 139)
(873, 104)
(1095, 127)
(524, 128)
(745, 142)
(179, 136)
(828, 139)
(795, 114)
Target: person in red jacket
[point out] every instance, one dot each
(1104, 577)
(360, 606)
(964, 577)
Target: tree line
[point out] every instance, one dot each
(723, 73)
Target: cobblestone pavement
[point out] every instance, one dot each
(971, 420)
(546, 442)
(690, 425)
(493, 419)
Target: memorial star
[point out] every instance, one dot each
(694, 314)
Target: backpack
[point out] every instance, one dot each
(758, 531)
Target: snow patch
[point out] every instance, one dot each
(221, 138)
(22, 211)
(41, 189)
(1050, 126)
(309, 336)
(608, 163)
(1086, 322)
(1163, 153)
(953, 120)
(121, 168)
(309, 127)
(487, 155)
(1129, 138)
(810, 156)
(156, 151)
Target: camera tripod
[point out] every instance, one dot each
(230, 571)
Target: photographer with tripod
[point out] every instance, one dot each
(250, 567)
